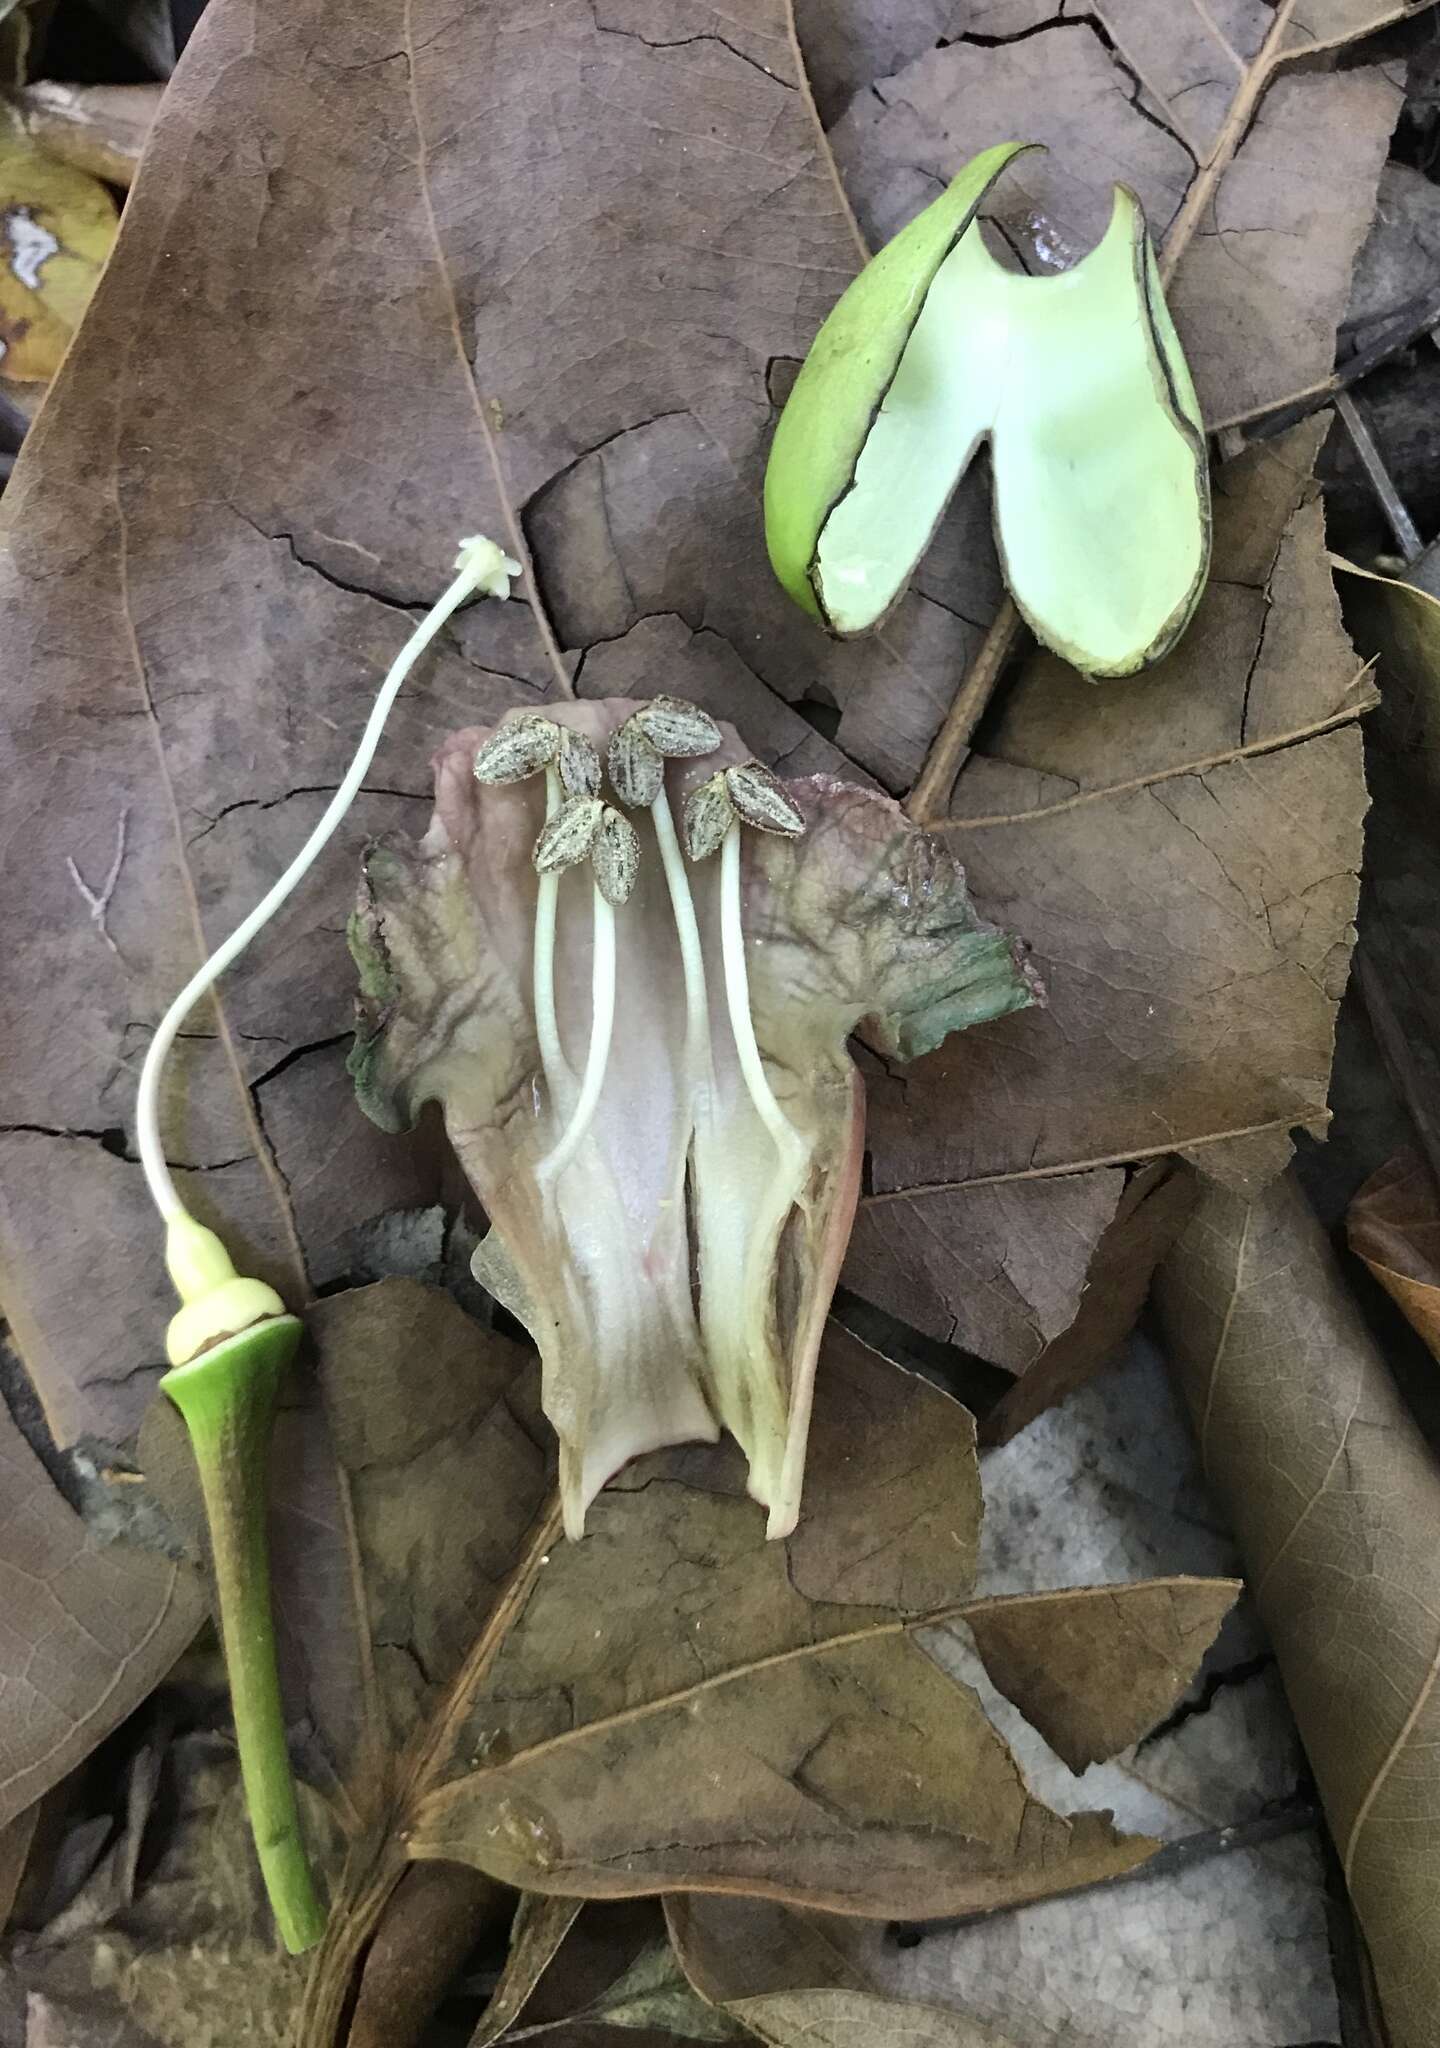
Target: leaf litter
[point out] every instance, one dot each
(746, 1729)
(1252, 917)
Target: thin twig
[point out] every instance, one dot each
(1421, 317)
(930, 798)
(1407, 539)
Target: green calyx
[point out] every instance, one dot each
(227, 1397)
(1101, 491)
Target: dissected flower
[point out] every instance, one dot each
(654, 1101)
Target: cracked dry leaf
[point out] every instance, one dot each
(1393, 1224)
(90, 1628)
(1096, 1668)
(785, 1739)
(1156, 1200)
(772, 1724)
(1334, 1497)
(1191, 914)
(1043, 1278)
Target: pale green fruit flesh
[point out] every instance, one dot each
(1101, 496)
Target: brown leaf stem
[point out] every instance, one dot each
(930, 798)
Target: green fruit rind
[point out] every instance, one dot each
(849, 369)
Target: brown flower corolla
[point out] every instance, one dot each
(647, 1079)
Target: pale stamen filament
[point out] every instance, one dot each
(788, 1141)
(558, 1077)
(602, 1027)
(699, 1069)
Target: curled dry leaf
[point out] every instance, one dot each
(1394, 1226)
(1334, 1497)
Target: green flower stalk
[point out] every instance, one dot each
(227, 1397)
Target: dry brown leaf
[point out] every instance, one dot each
(1043, 1277)
(540, 1926)
(606, 1940)
(1335, 1499)
(255, 518)
(194, 1952)
(1156, 1201)
(90, 1628)
(743, 1947)
(756, 1728)
(999, 1271)
(673, 1701)
(1094, 1670)
(1394, 1226)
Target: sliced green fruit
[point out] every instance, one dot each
(1101, 491)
